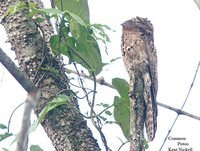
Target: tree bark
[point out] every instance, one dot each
(64, 126)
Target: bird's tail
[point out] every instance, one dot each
(150, 108)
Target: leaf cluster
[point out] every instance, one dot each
(76, 38)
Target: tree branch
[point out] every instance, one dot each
(178, 111)
(101, 81)
(15, 72)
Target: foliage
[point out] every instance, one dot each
(76, 38)
(60, 100)
(35, 148)
(122, 105)
(4, 135)
(99, 32)
(5, 149)
(2, 126)
(106, 111)
(77, 7)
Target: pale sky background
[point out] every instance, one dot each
(177, 34)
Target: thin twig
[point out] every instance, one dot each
(100, 80)
(43, 50)
(12, 115)
(123, 143)
(191, 86)
(2, 76)
(92, 112)
(178, 111)
(77, 86)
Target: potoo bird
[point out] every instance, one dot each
(140, 60)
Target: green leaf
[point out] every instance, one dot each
(60, 100)
(115, 59)
(77, 43)
(5, 135)
(75, 28)
(5, 149)
(103, 118)
(122, 105)
(75, 18)
(108, 112)
(84, 51)
(77, 7)
(54, 12)
(51, 11)
(121, 86)
(146, 145)
(39, 20)
(57, 46)
(122, 115)
(64, 28)
(99, 32)
(35, 148)
(89, 51)
(110, 122)
(2, 126)
(105, 105)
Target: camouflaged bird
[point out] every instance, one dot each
(140, 60)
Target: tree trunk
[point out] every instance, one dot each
(64, 126)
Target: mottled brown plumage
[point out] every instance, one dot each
(140, 60)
